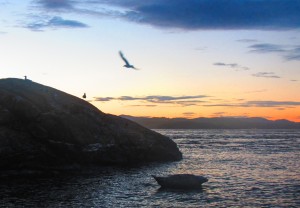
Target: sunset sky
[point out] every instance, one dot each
(197, 58)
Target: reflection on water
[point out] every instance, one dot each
(246, 168)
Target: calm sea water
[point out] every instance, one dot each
(246, 168)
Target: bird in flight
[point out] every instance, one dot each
(127, 64)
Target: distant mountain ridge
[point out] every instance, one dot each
(213, 123)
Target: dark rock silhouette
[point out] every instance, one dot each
(181, 181)
(44, 128)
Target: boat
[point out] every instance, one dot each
(181, 181)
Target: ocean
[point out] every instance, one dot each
(245, 168)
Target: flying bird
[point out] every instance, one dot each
(127, 64)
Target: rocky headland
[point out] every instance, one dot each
(43, 128)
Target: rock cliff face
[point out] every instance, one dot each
(44, 128)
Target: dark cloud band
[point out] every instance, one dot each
(153, 101)
(254, 103)
(56, 4)
(157, 99)
(200, 14)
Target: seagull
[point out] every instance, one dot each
(127, 64)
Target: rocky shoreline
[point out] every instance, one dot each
(44, 128)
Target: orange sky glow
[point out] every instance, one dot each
(191, 64)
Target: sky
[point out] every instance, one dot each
(196, 58)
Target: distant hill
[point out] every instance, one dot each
(213, 123)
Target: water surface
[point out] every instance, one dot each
(246, 168)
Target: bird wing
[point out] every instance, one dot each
(134, 68)
(124, 59)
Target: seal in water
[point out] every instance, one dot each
(181, 181)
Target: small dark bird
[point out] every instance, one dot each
(84, 95)
(127, 64)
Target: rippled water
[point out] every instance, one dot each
(246, 168)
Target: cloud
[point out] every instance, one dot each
(218, 114)
(266, 48)
(231, 65)
(293, 54)
(289, 53)
(188, 114)
(247, 40)
(104, 99)
(142, 105)
(56, 4)
(158, 99)
(4, 2)
(266, 75)
(294, 80)
(171, 98)
(152, 98)
(256, 91)
(255, 103)
(272, 103)
(184, 101)
(223, 64)
(42, 23)
(226, 105)
(194, 14)
(215, 14)
(85, 7)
